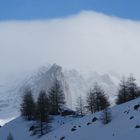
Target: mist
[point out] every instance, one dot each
(86, 41)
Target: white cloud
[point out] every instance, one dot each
(88, 40)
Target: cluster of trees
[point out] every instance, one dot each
(46, 104)
(52, 102)
(128, 90)
(96, 101)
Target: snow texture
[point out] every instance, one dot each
(123, 126)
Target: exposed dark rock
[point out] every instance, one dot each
(132, 117)
(32, 128)
(137, 126)
(62, 138)
(88, 123)
(74, 126)
(136, 107)
(67, 112)
(94, 119)
(73, 129)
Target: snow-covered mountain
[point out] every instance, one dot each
(74, 84)
(125, 124)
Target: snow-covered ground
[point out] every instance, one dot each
(122, 127)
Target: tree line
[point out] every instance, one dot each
(96, 100)
(47, 104)
(128, 90)
(52, 102)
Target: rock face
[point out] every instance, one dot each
(44, 80)
(73, 83)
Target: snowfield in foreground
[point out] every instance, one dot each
(123, 126)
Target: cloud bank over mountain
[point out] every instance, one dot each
(86, 41)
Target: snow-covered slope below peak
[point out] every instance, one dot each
(123, 126)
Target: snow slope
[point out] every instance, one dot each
(120, 128)
(74, 84)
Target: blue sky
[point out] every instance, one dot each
(48, 9)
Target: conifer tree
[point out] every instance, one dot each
(128, 90)
(96, 99)
(131, 87)
(43, 108)
(28, 105)
(80, 107)
(122, 96)
(91, 101)
(56, 97)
